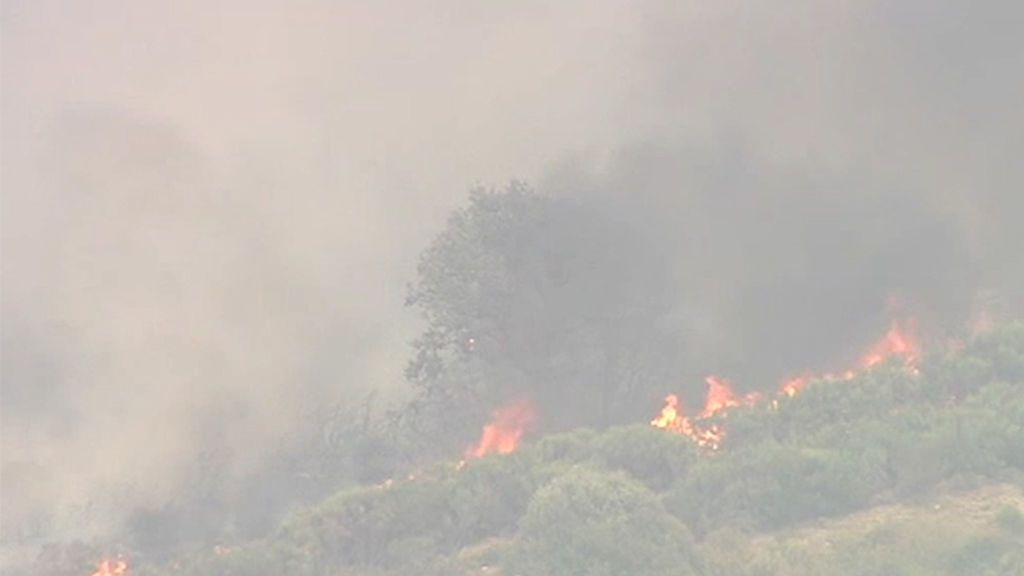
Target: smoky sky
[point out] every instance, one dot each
(211, 210)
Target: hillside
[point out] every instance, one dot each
(954, 531)
(893, 471)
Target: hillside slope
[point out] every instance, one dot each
(891, 472)
(973, 531)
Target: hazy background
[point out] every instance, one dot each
(211, 210)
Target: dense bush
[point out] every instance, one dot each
(625, 500)
(594, 523)
(649, 455)
(771, 487)
(489, 497)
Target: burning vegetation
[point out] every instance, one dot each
(112, 567)
(706, 429)
(505, 430)
(503, 434)
(901, 341)
(808, 476)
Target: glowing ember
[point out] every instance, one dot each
(505, 430)
(710, 438)
(112, 567)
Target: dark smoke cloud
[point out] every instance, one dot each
(818, 171)
(778, 269)
(211, 211)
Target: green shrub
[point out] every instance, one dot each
(357, 527)
(623, 501)
(983, 555)
(575, 446)
(649, 455)
(595, 523)
(1010, 519)
(488, 497)
(771, 487)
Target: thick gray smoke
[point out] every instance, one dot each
(211, 209)
(820, 170)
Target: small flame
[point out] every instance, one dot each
(672, 417)
(720, 397)
(112, 567)
(899, 342)
(503, 434)
(794, 386)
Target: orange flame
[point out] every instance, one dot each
(505, 431)
(794, 386)
(899, 342)
(112, 567)
(720, 397)
(672, 417)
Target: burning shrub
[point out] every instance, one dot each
(623, 501)
(503, 434)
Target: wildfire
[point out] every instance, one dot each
(720, 398)
(900, 341)
(794, 386)
(672, 417)
(503, 434)
(112, 567)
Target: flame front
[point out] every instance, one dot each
(900, 341)
(503, 434)
(112, 567)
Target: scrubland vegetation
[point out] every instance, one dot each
(890, 473)
(550, 335)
